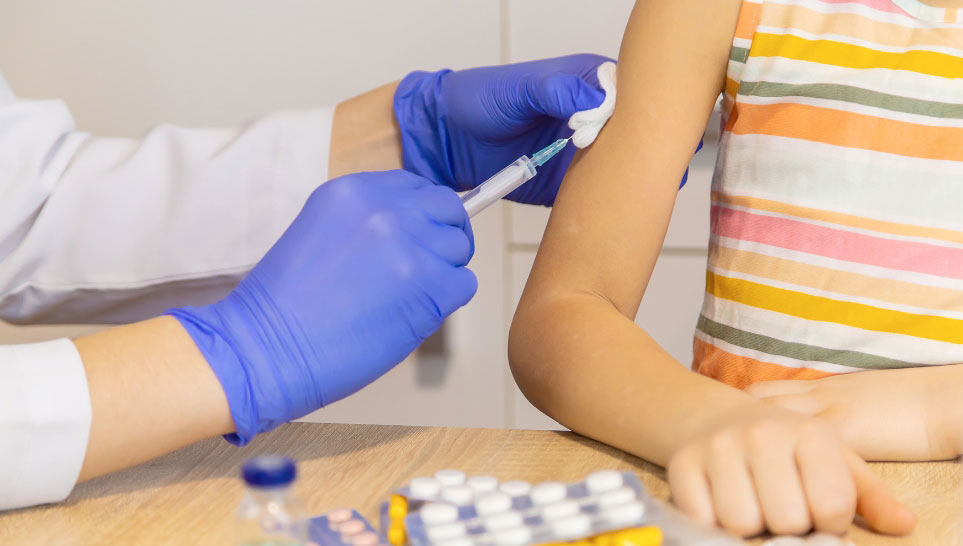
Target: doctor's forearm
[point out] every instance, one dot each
(151, 392)
(365, 135)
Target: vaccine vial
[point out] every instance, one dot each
(270, 514)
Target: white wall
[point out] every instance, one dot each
(124, 66)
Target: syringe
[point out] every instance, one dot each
(509, 178)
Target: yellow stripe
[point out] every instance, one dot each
(841, 219)
(852, 56)
(732, 87)
(822, 309)
(840, 282)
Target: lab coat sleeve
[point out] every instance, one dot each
(44, 422)
(114, 230)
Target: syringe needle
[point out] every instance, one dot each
(542, 156)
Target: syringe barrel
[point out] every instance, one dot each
(499, 185)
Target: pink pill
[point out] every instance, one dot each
(366, 538)
(351, 527)
(337, 517)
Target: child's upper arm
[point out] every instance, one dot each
(612, 212)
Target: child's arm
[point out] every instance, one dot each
(573, 337)
(910, 414)
(577, 354)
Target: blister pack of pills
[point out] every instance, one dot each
(343, 527)
(607, 508)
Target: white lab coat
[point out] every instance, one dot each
(113, 230)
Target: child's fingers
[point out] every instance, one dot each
(768, 389)
(876, 503)
(732, 487)
(827, 480)
(690, 487)
(778, 487)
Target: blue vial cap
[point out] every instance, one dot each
(268, 471)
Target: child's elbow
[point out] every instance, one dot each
(526, 353)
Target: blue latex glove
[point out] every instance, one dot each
(371, 267)
(459, 128)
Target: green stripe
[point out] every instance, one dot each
(855, 95)
(798, 351)
(739, 54)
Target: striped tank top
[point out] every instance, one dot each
(837, 202)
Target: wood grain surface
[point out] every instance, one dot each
(189, 496)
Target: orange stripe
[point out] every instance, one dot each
(950, 16)
(849, 130)
(732, 116)
(840, 282)
(748, 16)
(858, 26)
(841, 219)
(727, 106)
(741, 371)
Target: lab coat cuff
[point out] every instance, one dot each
(45, 415)
(304, 153)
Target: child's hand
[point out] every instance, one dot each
(907, 414)
(784, 473)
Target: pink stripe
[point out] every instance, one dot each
(879, 5)
(838, 244)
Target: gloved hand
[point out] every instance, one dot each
(459, 128)
(370, 267)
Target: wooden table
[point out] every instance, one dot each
(189, 496)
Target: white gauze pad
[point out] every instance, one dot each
(588, 123)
